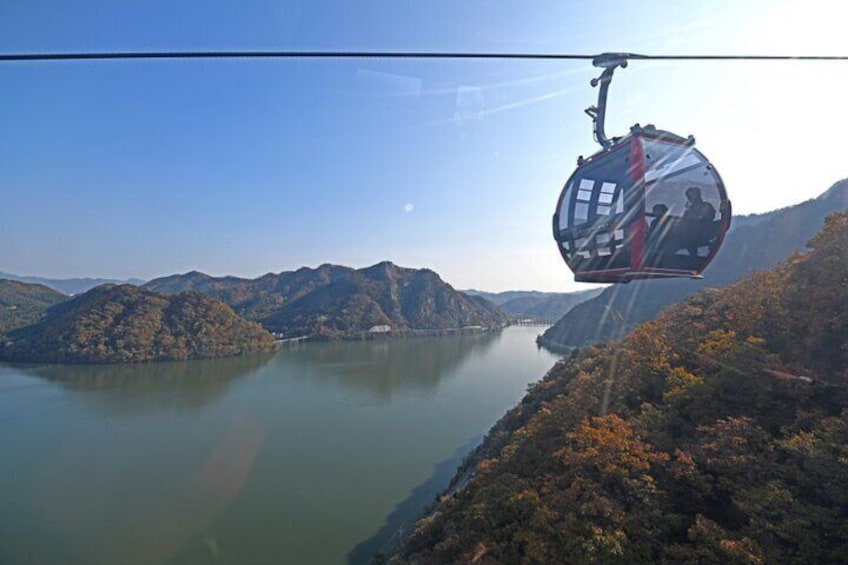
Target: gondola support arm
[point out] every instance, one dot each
(609, 62)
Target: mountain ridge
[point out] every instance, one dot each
(332, 301)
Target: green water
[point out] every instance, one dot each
(323, 453)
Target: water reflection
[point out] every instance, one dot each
(148, 524)
(385, 368)
(142, 387)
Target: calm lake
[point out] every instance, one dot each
(322, 453)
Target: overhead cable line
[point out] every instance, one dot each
(129, 55)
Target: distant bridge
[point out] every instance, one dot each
(530, 322)
(293, 339)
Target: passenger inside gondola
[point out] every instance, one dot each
(668, 235)
(697, 225)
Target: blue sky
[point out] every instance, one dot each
(147, 168)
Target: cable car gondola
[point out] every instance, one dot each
(648, 205)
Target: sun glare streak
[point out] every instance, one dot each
(545, 77)
(471, 104)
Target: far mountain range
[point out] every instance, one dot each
(71, 286)
(539, 306)
(545, 307)
(333, 301)
(195, 315)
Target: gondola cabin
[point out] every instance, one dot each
(648, 206)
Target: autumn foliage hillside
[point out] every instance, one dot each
(22, 304)
(717, 433)
(125, 324)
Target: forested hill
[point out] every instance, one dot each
(125, 324)
(334, 301)
(22, 304)
(756, 242)
(717, 433)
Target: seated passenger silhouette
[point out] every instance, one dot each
(696, 208)
(697, 226)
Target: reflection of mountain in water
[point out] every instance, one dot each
(182, 384)
(383, 368)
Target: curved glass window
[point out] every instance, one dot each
(593, 221)
(683, 207)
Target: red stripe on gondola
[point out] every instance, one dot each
(637, 230)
